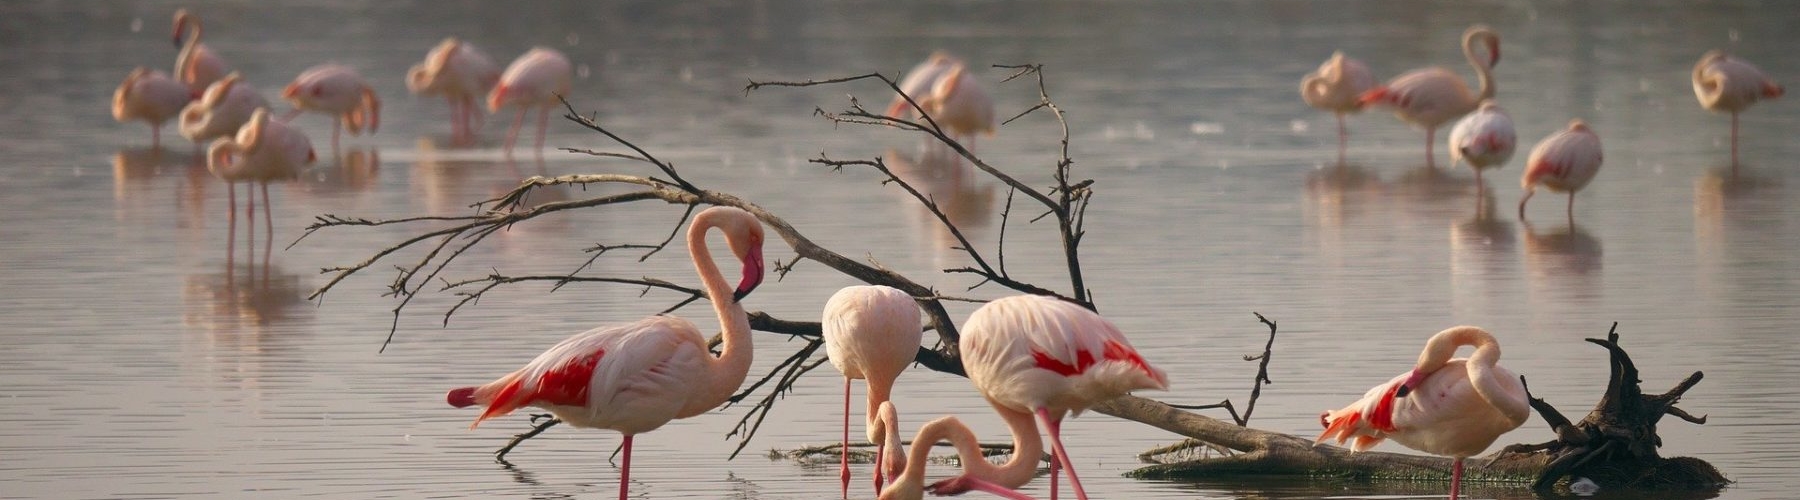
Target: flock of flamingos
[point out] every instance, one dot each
(1035, 359)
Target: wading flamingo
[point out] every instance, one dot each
(1565, 161)
(1448, 407)
(635, 377)
(1484, 139)
(534, 80)
(1433, 96)
(338, 91)
(959, 105)
(1728, 84)
(1047, 357)
(151, 96)
(463, 75)
(196, 66)
(978, 473)
(1337, 87)
(871, 333)
(263, 151)
(220, 112)
(919, 82)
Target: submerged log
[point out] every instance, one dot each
(1615, 446)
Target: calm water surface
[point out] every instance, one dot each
(150, 357)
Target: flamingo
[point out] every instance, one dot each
(1336, 87)
(635, 377)
(1457, 407)
(151, 96)
(263, 150)
(1432, 96)
(1047, 357)
(336, 90)
(920, 80)
(1729, 84)
(462, 74)
(978, 473)
(872, 333)
(534, 80)
(959, 105)
(1485, 139)
(222, 110)
(196, 66)
(1565, 161)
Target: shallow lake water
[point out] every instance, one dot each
(154, 351)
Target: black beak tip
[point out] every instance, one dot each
(1402, 391)
(738, 296)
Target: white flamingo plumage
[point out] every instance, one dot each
(463, 74)
(1337, 86)
(871, 332)
(1565, 161)
(338, 91)
(1047, 357)
(196, 65)
(1433, 96)
(534, 80)
(1484, 139)
(919, 81)
(224, 108)
(633, 378)
(1447, 407)
(1728, 84)
(151, 96)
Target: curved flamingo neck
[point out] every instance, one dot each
(726, 372)
(1028, 449)
(1442, 347)
(880, 392)
(188, 47)
(1483, 70)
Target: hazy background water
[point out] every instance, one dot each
(145, 361)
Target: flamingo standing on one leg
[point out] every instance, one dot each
(151, 96)
(633, 378)
(335, 90)
(978, 473)
(1485, 139)
(196, 66)
(262, 151)
(1565, 161)
(534, 80)
(1337, 87)
(1729, 84)
(1433, 96)
(1044, 356)
(872, 333)
(222, 110)
(461, 73)
(1449, 407)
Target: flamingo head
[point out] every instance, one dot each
(291, 91)
(1773, 90)
(746, 241)
(1493, 46)
(497, 98)
(1412, 382)
(181, 20)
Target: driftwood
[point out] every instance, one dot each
(1616, 443)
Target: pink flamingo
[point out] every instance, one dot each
(1337, 86)
(196, 66)
(872, 333)
(262, 151)
(1484, 139)
(959, 105)
(1448, 407)
(222, 110)
(1433, 96)
(534, 80)
(335, 90)
(1045, 356)
(151, 96)
(633, 378)
(919, 82)
(978, 473)
(1729, 84)
(462, 74)
(1565, 161)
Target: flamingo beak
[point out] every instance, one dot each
(753, 274)
(1412, 382)
(290, 91)
(1494, 48)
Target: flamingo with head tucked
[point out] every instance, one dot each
(871, 332)
(1043, 356)
(224, 108)
(959, 105)
(1728, 84)
(196, 66)
(1433, 96)
(919, 81)
(1565, 161)
(462, 74)
(151, 96)
(534, 80)
(262, 151)
(1337, 86)
(635, 377)
(1448, 407)
(338, 91)
(1484, 139)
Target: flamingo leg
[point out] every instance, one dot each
(1456, 467)
(269, 223)
(1734, 130)
(513, 133)
(1062, 455)
(844, 450)
(473, 115)
(1479, 186)
(1522, 201)
(543, 126)
(456, 114)
(231, 233)
(625, 469)
(251, 232)
(1430, 138)
(1571, 207)
(1343, 137)
(1055, 469)
(156, 136)
(336, 126)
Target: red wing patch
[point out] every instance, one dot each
(1115, 351)
(567, 385)
(1383, 419)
